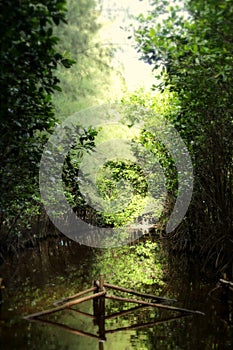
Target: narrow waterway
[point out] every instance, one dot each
(36, 278)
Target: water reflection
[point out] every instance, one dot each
(39, 277)
(101, 323)
(100, 319)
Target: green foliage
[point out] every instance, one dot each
(28, 61)
(83, 140)
(126, 170)
(154, 173)
(152, 110)
(138, 266)
(123, 187)
(119, 193)
(161, 154)
(89, 80)
(36, 42)
(193, 43)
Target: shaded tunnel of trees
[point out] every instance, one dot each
(47, 73)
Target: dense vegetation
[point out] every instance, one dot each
(130, 187)
(189, 44)
(29, 58)
(35, 55)
(192, 41)
(89, 80)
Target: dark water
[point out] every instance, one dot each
(56, 269)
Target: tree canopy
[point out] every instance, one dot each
(90, 80)
(40, 39)
(28, 62)
(192, 42)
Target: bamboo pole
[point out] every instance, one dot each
(145, 325)
(75, 296)
(64, 306)
(131, 291)
(66, 328)
(162, 306)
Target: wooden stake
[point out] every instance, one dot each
(162, 306)
(96, 303)
(131, 291)
(62, 307)
(75, 296)
(101, 282)
(97, 284)
(101, 318)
